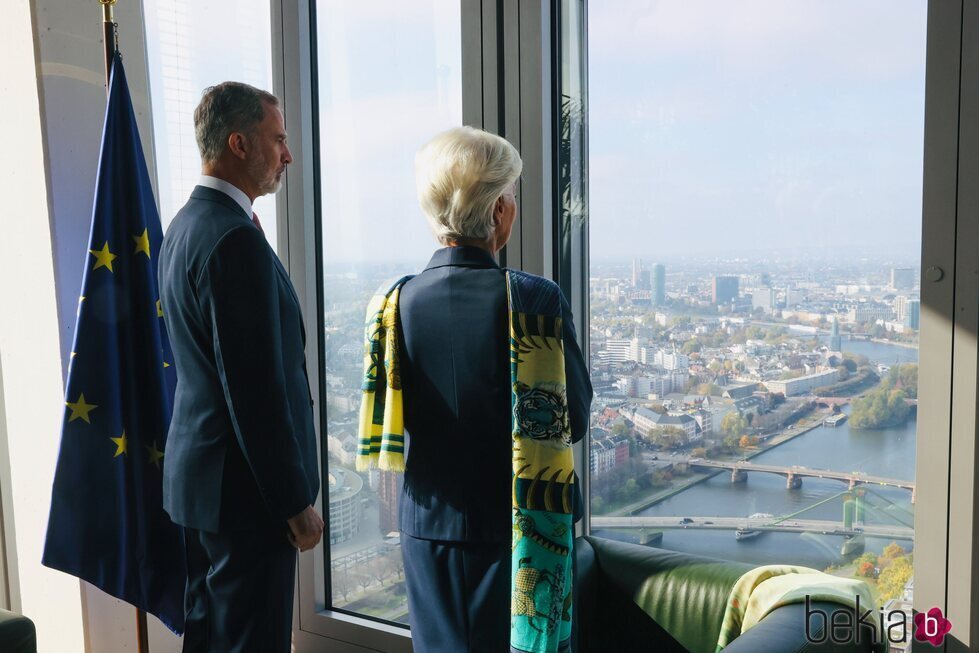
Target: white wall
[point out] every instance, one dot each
(53, 90)
(32, 385)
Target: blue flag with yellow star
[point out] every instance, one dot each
(107, 525)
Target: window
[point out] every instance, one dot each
(389, 78)
(755, 234)
(185, 55)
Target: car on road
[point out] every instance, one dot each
(686, 520)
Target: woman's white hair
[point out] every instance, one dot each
(460, 174)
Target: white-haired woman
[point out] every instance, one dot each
(456, 514)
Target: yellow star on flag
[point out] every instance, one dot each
(159, 308)
(80, 409)
(103, 257)
(155, 454)
(121, 444)
(142, 243)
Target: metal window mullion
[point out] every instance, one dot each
(935, 351)
(963, 549)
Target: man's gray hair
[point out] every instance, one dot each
(226, 108)
(460, 174)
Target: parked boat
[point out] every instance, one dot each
(835, 420)
(746, 532)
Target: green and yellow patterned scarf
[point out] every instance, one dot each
(381, 436)
(543, 469)
(543, 466)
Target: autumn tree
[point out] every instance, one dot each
(734, 424)
(892, 580)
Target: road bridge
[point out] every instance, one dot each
(793, 475)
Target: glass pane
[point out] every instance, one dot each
(755, 202)
(389, 79)
(185, 55)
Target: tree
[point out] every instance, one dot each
(866, 569)
(893, 550)
(734, 424)
(850, 365)
(341, 583)
(691, 346)
(744, 442)
(880, 408)
(619, 428)
(892, 580)
(904, 377)
(597, 505)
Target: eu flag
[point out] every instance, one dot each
(107, 525)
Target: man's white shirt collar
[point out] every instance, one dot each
(228, 189)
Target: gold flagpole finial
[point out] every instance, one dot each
(107, 10)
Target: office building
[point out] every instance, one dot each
(902, 278)
(658, 285)
(723, 290)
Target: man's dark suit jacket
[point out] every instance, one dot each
(241, 448)
(456, 384)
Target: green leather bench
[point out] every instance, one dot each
(16, 633)
(640, 598)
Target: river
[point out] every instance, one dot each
(886, 452)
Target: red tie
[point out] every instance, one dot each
(256, 222)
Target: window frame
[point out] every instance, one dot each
(511, 69)
(300, 234)
(947, 485)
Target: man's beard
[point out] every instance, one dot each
(266, 181)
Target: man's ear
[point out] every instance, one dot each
(238, 144)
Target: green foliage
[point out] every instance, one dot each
(668, 437)
(879, 409)
(859, 359)
(734, 425)
(905, 377)
(620, 429)
(691, 346)
(850, 365)
(711, 389)
(887, 405)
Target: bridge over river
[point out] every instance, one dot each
(794, 475)
(771, 524)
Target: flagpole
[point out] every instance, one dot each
(110, 37)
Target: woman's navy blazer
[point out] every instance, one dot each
(456, 384)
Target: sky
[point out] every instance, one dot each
(716, 128)
(738, 128)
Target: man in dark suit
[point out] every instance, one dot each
(241, 471)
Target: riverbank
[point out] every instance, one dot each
(905, 345)
(812, 421)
